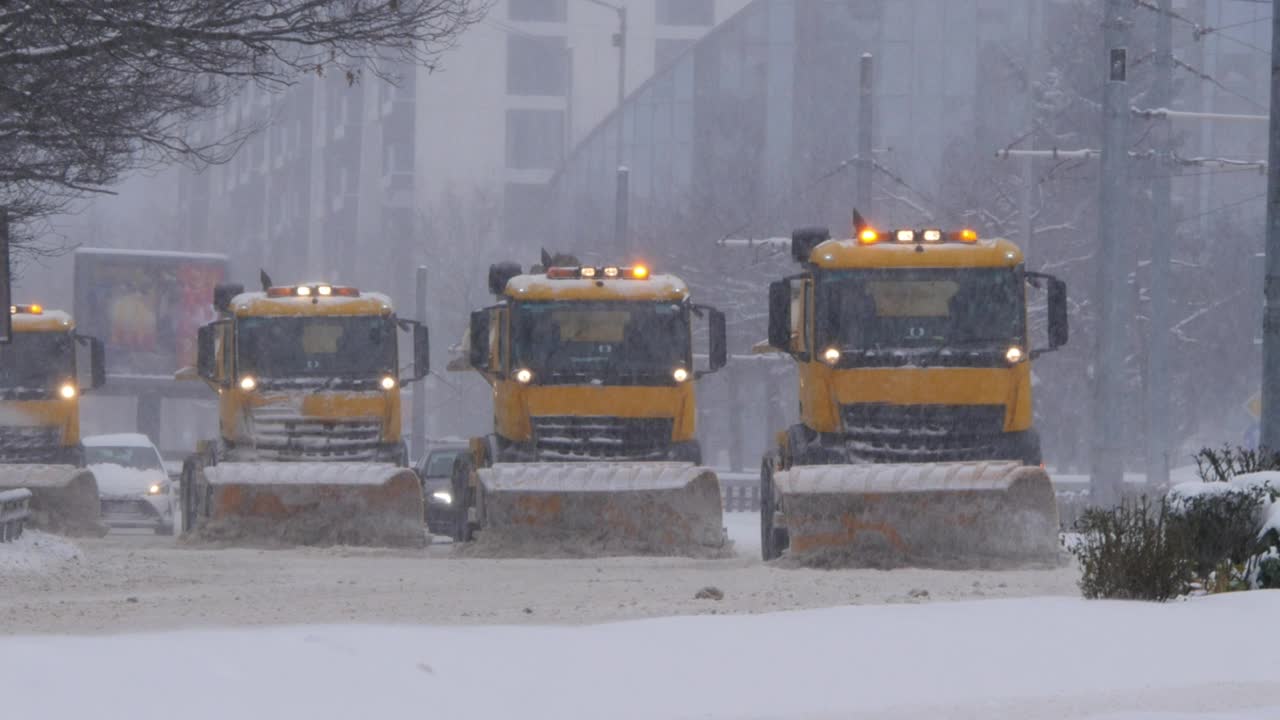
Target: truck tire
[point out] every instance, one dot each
(773, 540)
(460, 487)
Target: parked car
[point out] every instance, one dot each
(434, 470)
(133, 484)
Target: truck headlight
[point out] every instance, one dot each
(68, 391)
(247, 383)
(524, 376)
(1014, 355)
(680, 374)
(831, 356)
(443, 496)
(388, 383)
(155, 489)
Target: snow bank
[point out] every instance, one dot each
(1029, 659)
(35, 553)
(1270, 513)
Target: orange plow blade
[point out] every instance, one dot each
(318, 503)
(939, 515)
(599, 509)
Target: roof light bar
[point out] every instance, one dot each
(32, 309)
(312, 291)
(610, 272)
(868, 236)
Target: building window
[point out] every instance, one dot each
(686, 12)
(535, 139)
(526, 210)
(666, 50)
(536, 65)
(537, 10)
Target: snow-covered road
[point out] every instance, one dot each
(140, 582)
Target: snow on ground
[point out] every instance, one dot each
(131, 582)
(1029, 659)
(36, 554)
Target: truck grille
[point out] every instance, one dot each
(26, 444)
(586, 438)
(923, 433)
(284, 434)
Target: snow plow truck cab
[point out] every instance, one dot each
(915, 443)
(594, 449)
(310, 449)
(44, 370)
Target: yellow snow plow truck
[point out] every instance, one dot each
(594, 450)
(310, 449)
(915, 443)
(43, 371)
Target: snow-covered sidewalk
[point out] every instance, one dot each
(1028, 659)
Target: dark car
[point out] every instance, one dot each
(435, 472)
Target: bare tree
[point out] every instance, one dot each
(90, 89)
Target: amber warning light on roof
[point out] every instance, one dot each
(26, 309)
(868, 236)
(312, 291)
(610, 272)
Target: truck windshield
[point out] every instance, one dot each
(311, 347)
(35, 363)
(943, 308)
(616, 342)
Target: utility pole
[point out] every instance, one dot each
(6, 290)
(1031, 75)
(1107, 472)
(621, 203)
(866, 134)
(1271, 318)
(620, 40)
(621, 196)
(1162, 236)
(419, 440)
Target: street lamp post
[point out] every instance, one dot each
(620, 42)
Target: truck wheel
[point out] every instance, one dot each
(773, 540)
(460, 486)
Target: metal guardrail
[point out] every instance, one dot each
(739, 492)
(14, 511)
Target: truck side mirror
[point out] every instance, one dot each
(421, 351)
(479, 340)
(780, 315)
(98, 363)
(717, 339)
(1059, 330)
(719, 342)
(206, 352)
(94, 366)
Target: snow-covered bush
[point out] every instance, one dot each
(1128, 552)
(1220, 534)
(1232, 518)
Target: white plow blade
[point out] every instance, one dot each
(64, 498)
(601, 508)
(943, 513)
(316, 503)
